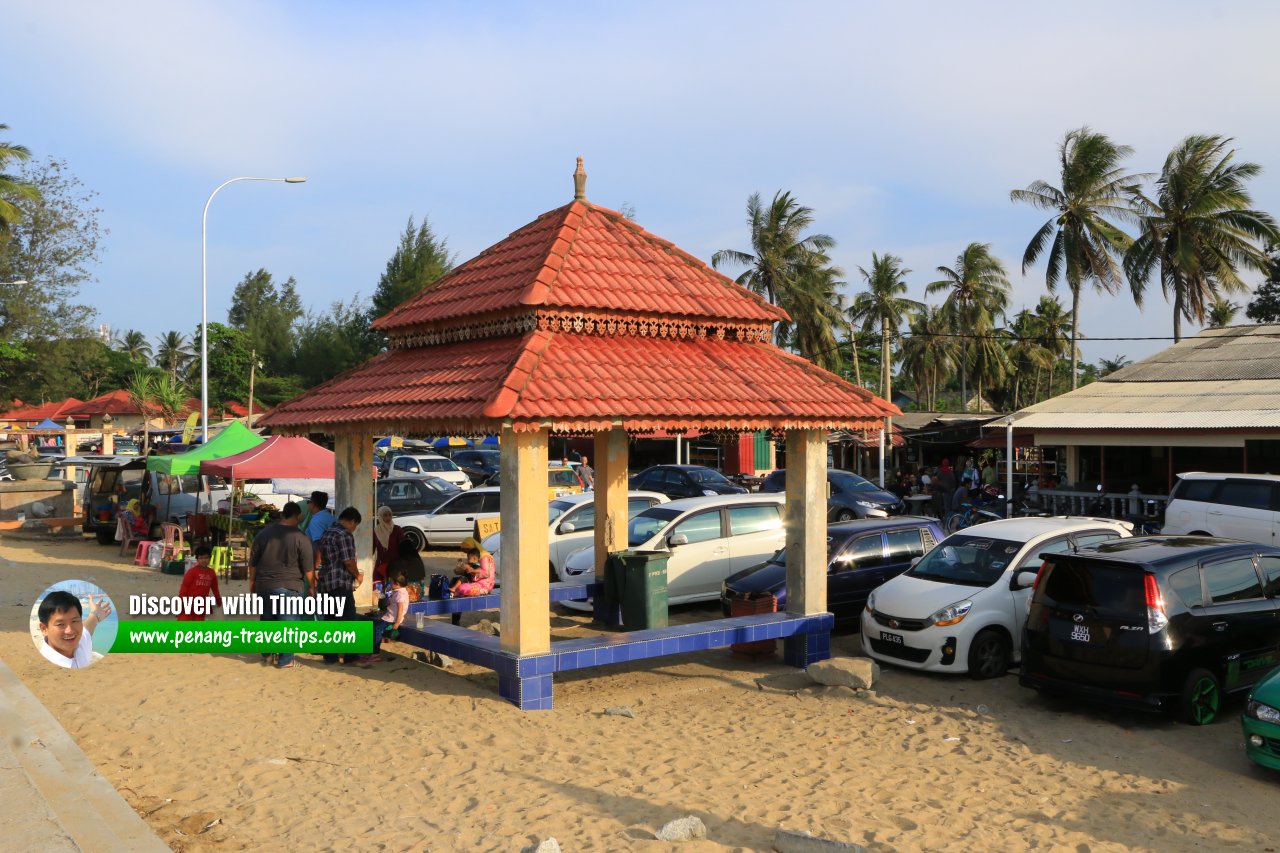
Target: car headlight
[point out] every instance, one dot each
(871, 602)
(1259, 711)
(867, 504)
(711, 492)
(952, 614)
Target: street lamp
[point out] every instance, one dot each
(204, 298)
(17, 283)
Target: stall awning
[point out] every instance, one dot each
(277, 457)
(233, 439)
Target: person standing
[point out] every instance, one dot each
(319, 519)
(387, 536)
(989, 472)
(587, 475)
(281, 569)
(337, 573)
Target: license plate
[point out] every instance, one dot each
(1079, 634)
(891, 638)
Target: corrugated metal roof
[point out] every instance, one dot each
(1172, 420)
(1236, 352)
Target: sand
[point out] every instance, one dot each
(405, 756)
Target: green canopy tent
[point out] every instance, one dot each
(235, 438)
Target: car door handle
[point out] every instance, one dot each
(1220, 626)
(1214, 512)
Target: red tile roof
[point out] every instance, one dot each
(116, 402)
(586, 383)
(582, 257)
(36, 414)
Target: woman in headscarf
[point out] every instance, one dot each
(386, 542)
(476, 572)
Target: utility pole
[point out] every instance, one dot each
(253, 362)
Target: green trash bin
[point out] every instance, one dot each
(637, 581)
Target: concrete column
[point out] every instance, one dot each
(611, 451)
(526, 602)
(353, 486)
(805, 515)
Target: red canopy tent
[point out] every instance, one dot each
(278, 457)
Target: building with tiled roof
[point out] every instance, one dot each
(25, 416)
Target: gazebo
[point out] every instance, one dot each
(583, 323)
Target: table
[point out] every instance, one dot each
(920, 504)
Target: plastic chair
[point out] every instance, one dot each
(141, 557)
(171, 536)
(126, 534)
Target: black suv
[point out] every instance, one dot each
(1156, 622)
(684, 481)
(479, 465)
(850, 496)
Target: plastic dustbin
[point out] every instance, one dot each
(637, 580)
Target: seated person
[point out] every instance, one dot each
(407, 562)
(476, 573)
(134, 519)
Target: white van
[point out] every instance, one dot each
(1234, 506)
(708, 538)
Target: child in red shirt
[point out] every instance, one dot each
(200, 581)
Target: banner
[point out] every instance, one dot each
(189, 431)
(243, 636)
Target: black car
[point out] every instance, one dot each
(684, 481)
(1155, 622)
(861, 555)
(414, 494)
(479, 465)
(851, 496)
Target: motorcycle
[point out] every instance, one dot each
(987, 505)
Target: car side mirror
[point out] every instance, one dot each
(1025, 578)
(676, 539)
(914, 561)
(567, 527)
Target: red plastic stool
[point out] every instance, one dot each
(141, 555)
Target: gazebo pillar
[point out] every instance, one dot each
(526, 601)
(611, 453)
(353, 486)
(805, 517)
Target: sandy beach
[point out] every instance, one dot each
(405, 756)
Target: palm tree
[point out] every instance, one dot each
(1025, 351)
(173, 353)
(883, 306)
(784, 266)
(142, 391)
(818, 308)
(134, 344)
(1053, 332)
(977, 294)
(12, 186)
(1222, 312)
(169, 396)
(1107, 366)
(929, 352)
(1084, 245)
(1198, 229)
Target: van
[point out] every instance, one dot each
(1156, 622)
(113, 481)
(1232, 506)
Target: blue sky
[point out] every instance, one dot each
(903, 125)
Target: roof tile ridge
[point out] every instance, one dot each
(530, 352)
(537, 291)
(290, 406)
(812, 368)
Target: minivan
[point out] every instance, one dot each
(1233, 506)
(113, 481)
(1156, 622)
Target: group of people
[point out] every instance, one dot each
(950, 485)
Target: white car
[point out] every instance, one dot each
(429, 463)
(573, 521)
(452, 521)
(963, 606)
(709, 538)
(1233, 506)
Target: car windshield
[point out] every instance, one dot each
(648, 524)
(706, 475)
(558, 508)
(440, 464)
(435, 484)
(967, 559)
(844, 482)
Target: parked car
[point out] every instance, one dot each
(406, 465)
(125, 447)
(479, 465)
(861, 555)
(1172, 622)
(573, 522)
(115, 480)
(961, 609)
(684, 481)
(1261, 722)
(1234, 506)
(406, 495)
(452, 521)
(708, 539)
(849, 495)
(561, 481)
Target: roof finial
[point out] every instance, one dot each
(579, 182)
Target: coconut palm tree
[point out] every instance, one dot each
(142, 392)
(1222, 312)
(786, 266)
(817, 307)
(12, 186)
(173, 353)
(1053, 332)
(134, 344)
(1083, 243)
(1025, 352)
(977, 289)
(929, 352)
(1107, 366)
(1197, 228)
(882, 307)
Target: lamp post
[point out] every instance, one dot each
(17, 282)
(204, 298)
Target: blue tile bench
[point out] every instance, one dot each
(492, 601)
(526, 681)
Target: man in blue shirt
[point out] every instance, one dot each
(320, 519)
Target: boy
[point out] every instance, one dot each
(200, 581)
(68, 637)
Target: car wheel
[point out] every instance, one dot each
(105, 537)
(414, 536)
(846, 515)
(1200, 699)
(988, 655)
